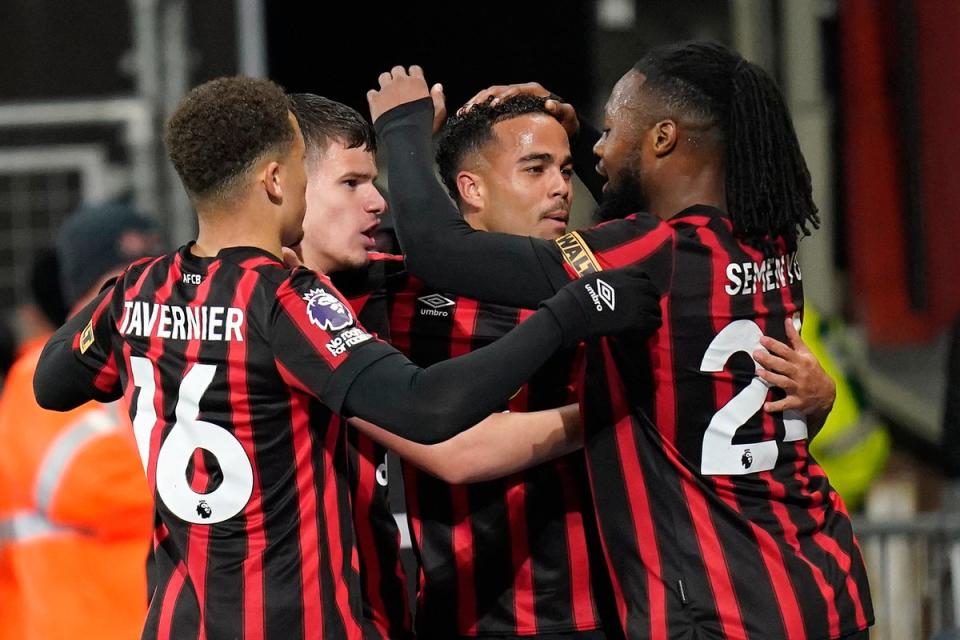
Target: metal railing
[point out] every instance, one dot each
(914, 568)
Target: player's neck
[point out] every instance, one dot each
(239, 226)
(473, 217)
(705, 186)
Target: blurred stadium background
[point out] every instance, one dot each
(874, 86)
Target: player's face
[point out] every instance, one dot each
(620, 150)
(525, 175)
(343, 209)
(294, 178)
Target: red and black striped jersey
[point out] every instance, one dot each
(386, 606)
(234, 369)
(712, 512)
(507, 557)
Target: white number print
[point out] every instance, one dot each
(383, 471)
(187, 435)
(719, 456)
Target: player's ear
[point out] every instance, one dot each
(272, 184)
(471, 189)
(664, 135)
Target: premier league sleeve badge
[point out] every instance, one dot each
(332, 315)
(327, 311)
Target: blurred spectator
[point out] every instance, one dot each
(75, 509)
(45, 287)
(853, 445)
(46, 309)
(8, 349)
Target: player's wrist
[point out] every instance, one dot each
(418, 112)
(568, 314)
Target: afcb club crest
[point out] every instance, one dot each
(326, 311)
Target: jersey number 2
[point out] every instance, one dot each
(187, 435)
(719, 456)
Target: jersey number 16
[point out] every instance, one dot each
(187, 435)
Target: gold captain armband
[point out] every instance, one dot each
(577, 254)
(86, 337)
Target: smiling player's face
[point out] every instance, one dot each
(524, 178)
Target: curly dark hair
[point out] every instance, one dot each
(222, 128)
(464, 135)
(769, 194)
(323, 120)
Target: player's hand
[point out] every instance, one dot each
(439, 107)
(397, 87)
(605, 303)
(794, 368)
(499, 92)
(563, 111)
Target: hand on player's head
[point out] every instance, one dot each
(563, 111)
(397, 87)
(500, 92)
(606, 303)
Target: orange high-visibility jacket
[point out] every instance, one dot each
(75, 518)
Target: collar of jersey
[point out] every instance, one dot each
(704, 212)
(233, 254)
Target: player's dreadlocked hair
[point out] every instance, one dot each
(464, 135)
(323, 121)
(767, 182)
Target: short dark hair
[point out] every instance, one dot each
(323, 121)
(769, 195)
(464, 135)
(222, 128)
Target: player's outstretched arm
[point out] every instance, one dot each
(439, 247)
(795, 369)
(502, 444)
(64, 381)
(433, 404)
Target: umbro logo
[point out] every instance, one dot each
(436, 301)
(436, 304)
(603, 293)
(607, 294)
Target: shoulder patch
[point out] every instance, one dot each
(577, 254)
(86, 338)
(326, 311)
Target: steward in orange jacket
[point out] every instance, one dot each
(75, 518)
(76, 513)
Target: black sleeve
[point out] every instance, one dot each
(63, 381)
(439, 246)
(433, 404)
(584, 162)
(320, 348)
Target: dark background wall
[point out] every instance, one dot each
(55, 49)
(466, 49)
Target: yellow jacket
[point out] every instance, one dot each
(853, 445)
